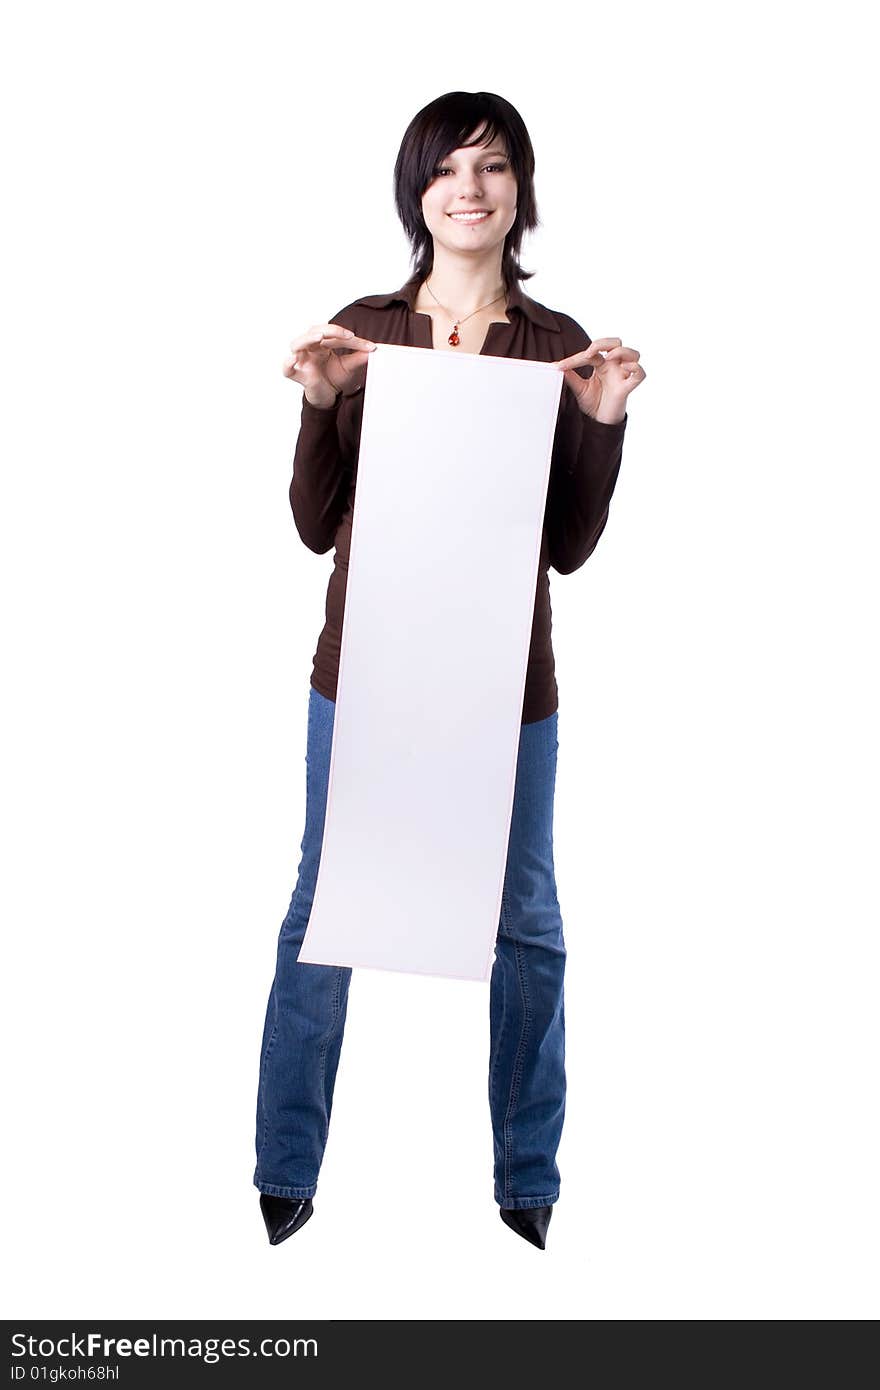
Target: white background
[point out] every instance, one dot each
(189, 186)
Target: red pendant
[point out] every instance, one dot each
(453, 340)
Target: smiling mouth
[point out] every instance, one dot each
(469, 216)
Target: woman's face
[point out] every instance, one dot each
(479, 176)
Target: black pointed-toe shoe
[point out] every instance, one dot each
(284, 1215)
(529, 1222)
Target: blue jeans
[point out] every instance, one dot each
(305, 1018)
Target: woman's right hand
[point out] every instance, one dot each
(324, 359)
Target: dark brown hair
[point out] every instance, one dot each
(431, 136)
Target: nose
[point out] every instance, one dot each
(469, 187)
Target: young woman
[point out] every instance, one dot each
(464, 193)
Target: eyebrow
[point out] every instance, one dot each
(487, 155)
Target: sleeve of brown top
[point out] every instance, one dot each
(319, 486)
(586, 460)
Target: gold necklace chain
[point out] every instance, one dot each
(453, 340)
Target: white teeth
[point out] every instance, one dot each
(468, 216)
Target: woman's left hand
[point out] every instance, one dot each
(603, 394)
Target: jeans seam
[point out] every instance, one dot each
(529, 1203)
(273, 1189)
(494, 1061)
(325, 1044)
(517, 1067)
(266, 1055)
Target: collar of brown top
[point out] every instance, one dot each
(516, 299)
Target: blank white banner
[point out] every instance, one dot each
(452, 481)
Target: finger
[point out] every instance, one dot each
(319, 333)
(347, 335)
(590, 354)
(622, 354)
(632, 373)
(296, 362)
(344, 351)
(336, 343)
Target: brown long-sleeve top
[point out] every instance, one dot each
(584, 466)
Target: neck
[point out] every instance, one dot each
(464, 284)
